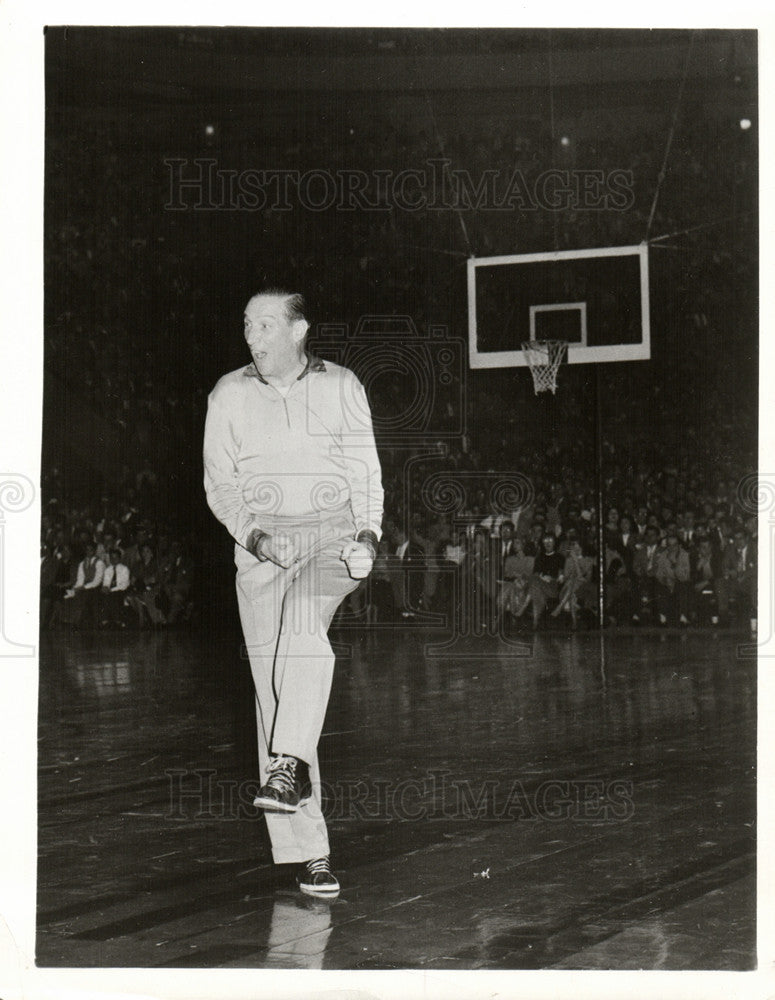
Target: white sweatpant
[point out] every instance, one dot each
(285, 615)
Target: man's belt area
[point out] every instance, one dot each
(288, 522)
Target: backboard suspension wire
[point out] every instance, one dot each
(555, 234)
(440, 144)
(671, 133)
(654, 241)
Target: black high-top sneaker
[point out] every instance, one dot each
(317, 879)
(287, 787)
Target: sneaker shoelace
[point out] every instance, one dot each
(282, 774)
(321, 866)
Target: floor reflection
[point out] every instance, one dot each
(673, 714)
(299, 932)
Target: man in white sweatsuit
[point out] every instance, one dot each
(291, 470)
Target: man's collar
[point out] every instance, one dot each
(314, 364)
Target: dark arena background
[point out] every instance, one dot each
(509, 785)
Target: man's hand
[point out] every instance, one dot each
(358, 558)
(281, 549)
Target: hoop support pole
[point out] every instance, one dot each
(600, 522)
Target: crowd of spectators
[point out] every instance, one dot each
(105, 564)
(137, 321)
(677, 552)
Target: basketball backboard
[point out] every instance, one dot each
(597, 300)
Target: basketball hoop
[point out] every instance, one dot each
(544, 357)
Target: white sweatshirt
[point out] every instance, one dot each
(297, 454)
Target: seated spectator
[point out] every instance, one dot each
(618, 586)
(408, 574)
(644, 569)
(612, 529)
(86, 590)
(625, 544)
(433, 547)
(115, 587)
(544, 584)
(667, 519)
(133, 550)
(105, 543)
(503, 543)
(641, 522)
(721, 534)
(687, 530)
(49, 567)
(517, 570)
(452, 577)
(708, 514)
(572, 521)
(146, 589)
(672, 577)
(653, 522)
(64, 581)
(705, 572)
(481, 586)
(177, 580)
(533, 542)
(577, 590)
(380, 604)
(737, 583)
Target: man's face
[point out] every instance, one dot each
(507, 532)
(272, 339)
(651, 536)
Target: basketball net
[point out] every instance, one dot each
(544, 358)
